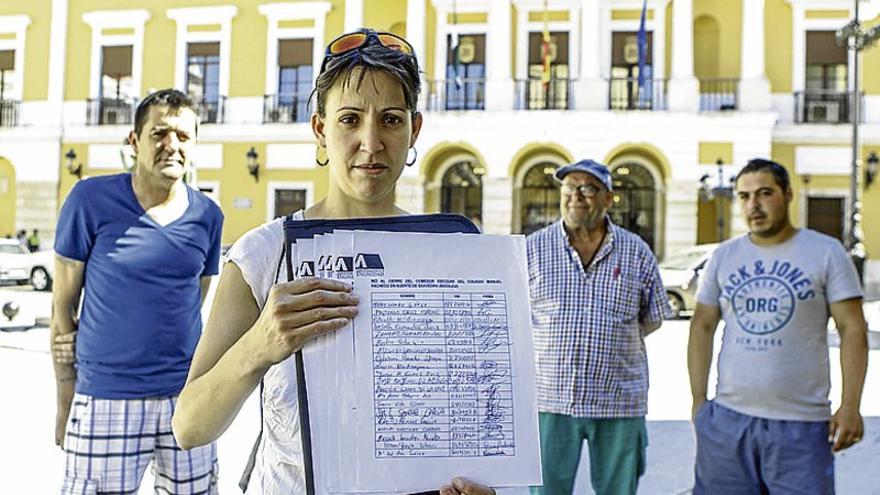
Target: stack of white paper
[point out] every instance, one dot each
(435, 377)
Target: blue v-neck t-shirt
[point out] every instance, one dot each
(141, 312)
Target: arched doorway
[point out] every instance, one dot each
(461, 190)
(635, 201)
(7, 198)
(539, 197)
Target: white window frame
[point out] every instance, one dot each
(799, 28)
(215, 189)
(99, 20)
(272, 186)
(657, 26)
(808, 192)
(444, 29)
(293, 11)
(200, 16)
(17, 25)
(524, 28)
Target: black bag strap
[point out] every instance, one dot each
(245, 479)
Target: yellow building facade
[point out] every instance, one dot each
(724, 81)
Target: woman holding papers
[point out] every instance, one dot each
(365, 125)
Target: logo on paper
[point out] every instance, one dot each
(306, 269)
(366, 264)
(368, 261)
(342, 264)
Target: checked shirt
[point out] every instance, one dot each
(591, 359)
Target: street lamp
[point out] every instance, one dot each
(73, 167)
(871, 170)
(855, 38)
(723, 189)
(253, 166)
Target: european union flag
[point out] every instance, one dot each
(642, 42)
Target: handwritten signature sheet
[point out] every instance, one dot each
(435, 377)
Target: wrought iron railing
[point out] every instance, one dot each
(456, 94)
(535, 94)
(719, 95)
(624, 93)
(286, 109)
(110, 111)
(819, 106)
(210, 110)
(9, 113)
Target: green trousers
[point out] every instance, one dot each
(617, 453)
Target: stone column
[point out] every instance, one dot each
(497, 205)
(590, 90)
(415, 28)
(415, 34)
(684, 89)
(354, 15)
(499, 76)
(410, 194)
(754, 88)
(680, 216)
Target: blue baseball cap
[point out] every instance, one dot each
(591, 167)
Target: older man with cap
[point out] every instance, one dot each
(596, 293)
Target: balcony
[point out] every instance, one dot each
(285, 109)
(9, 113)
(210, 110)
(624, 93)
(456, 94)
(819, 106)
(719, 95)
(533, 94)
(110, 111)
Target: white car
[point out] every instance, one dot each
(681, 276)
(20, 266)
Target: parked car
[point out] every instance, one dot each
(20, 266)
(681, 276)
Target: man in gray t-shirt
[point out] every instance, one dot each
(770, 425)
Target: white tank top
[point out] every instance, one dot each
(279, 463)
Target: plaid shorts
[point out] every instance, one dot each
(110, 443)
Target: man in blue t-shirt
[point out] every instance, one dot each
(139, 249)
(770, 427)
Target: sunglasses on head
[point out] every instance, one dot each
(357, 40)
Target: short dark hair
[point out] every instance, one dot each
(173, 98)
(763, 165)
(372, 57)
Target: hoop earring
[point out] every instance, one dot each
(319, 162)
(415, 157)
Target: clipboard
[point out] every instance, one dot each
(438, 223)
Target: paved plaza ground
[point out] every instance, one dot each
(30, 463)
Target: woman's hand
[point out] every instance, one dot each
(298, 311)
(464, 486)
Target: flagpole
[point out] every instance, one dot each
(642, 43)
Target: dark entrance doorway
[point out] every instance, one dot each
(462, 191)
(825, 215)
(539, 197)
(635, 201)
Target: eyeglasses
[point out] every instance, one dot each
(586, 190)
(357, 40)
